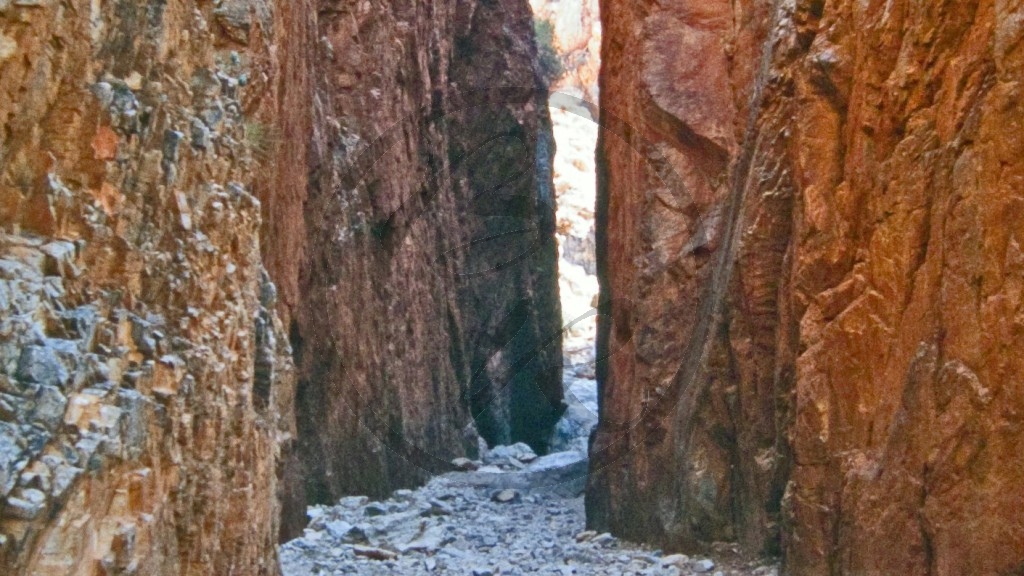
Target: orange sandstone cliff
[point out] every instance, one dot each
(142, 366)
(809, 252)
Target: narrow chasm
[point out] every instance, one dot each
(509, 287)
(515, 509)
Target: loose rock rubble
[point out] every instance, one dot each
(472, 523)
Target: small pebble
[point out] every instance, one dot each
(374, 509)
(374, 553)
(585, 535)
(679, 560)
(464, 464)
(506, 496)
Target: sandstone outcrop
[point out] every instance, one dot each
(808, 243)
(141, 362)
(424, 305)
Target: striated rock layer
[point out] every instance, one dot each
(809, 249)
(424, 292)
(141, 365)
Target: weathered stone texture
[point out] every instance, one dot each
(818, 322)
(673, 121)
(418, 304)
(154, 156)
(508, 293)
(140, 357)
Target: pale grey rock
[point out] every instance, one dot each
(40, 365)
(374, 553)
(64, 477)
(11, 454)
(338, 529)
(353, 501)
(680, 560)
(60, 257)
(544, 533)
(558, 460)
(585, 535)
(25, 504)
(503, 454)
(507, 496)
(49, 408)
(703, 565)
(465, 464)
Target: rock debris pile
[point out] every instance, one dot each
(489, 521)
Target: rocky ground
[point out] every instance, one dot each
(507, 517)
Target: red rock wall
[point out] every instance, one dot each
(141, 363)
(819, 319)
(154, 158)
(673, 102)
(408, 323)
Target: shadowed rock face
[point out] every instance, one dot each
(154, 158)
(502, 151)
(812, 261)
(141, 365)
(426, 288)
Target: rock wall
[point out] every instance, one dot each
(503, 151)
(142, 367)
(577, 30)
(426, 290)
(808, 244)
(388, 164)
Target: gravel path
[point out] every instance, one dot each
(459, 524)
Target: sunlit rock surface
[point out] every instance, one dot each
(809, 238)
(143, 371)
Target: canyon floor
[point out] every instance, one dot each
(459, 524)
